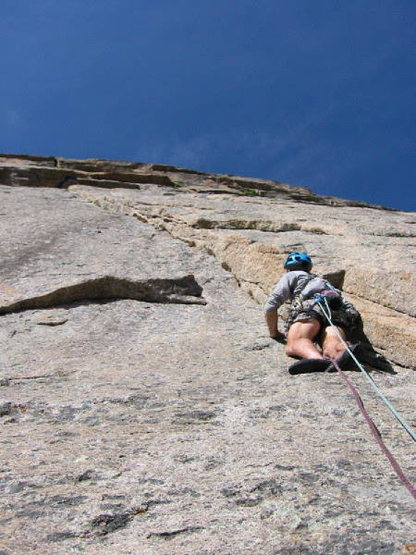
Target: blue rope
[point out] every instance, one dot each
(321, 300)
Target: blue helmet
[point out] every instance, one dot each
(298, 261)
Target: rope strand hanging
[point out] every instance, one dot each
(327, 313)
(373, 428)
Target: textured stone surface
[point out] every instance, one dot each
(368, 252)
(169, 424)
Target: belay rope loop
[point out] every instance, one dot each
(373, 428)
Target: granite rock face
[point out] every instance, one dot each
(143, 407)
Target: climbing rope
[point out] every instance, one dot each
(327, 313)
(373, 428)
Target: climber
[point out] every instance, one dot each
(310, 337)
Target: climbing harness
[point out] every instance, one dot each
(330, 297)
(373, 428)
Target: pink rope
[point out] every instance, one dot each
(374, 430)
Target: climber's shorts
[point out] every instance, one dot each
(303, 310)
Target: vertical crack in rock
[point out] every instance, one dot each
(182, 290)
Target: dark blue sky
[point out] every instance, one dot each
(317, 93)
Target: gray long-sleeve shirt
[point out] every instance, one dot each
(293, 284)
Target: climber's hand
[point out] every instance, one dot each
(279, 337)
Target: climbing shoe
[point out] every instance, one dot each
(306, 365)
(346, 362)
